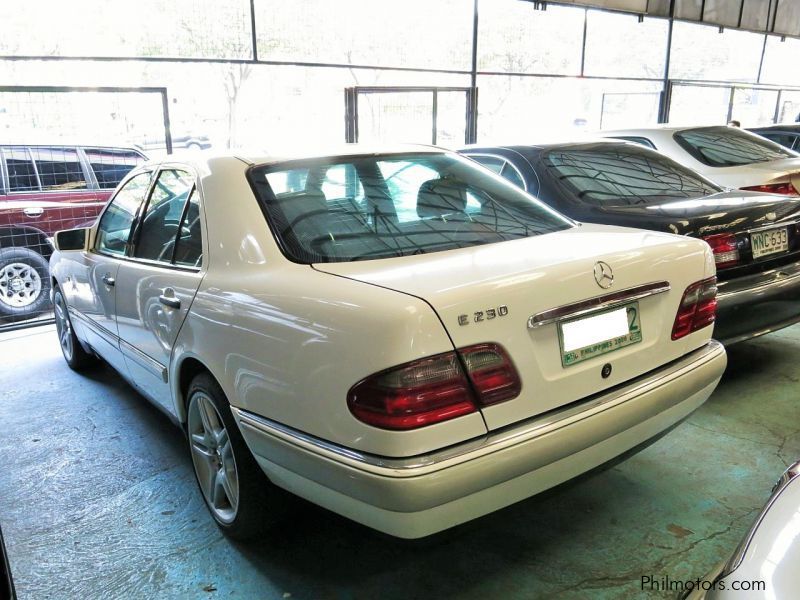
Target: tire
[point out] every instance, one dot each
(248, 504)
(77, 358)
(24, 284)
(193, 147)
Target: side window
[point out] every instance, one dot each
(115, 224)
(510, 173)
(189, 248)
(490, 162)
(162, 218)
(784, 139)
(21, 174)
(59, 169)
(110, 166)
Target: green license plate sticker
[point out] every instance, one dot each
(599, 333)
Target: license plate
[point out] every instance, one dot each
(600, 333)
(769, 242)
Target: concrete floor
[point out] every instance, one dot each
(97, 500)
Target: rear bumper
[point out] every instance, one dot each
(421, 495)
(758, 304)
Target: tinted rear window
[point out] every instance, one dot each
(729, 146)
(373, 207)
(620, 175)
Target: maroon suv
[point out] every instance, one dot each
(44, 189)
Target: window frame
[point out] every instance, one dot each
(506, 163)
(95, 184)
(155, 171)
(81, 161)
(12, 192)
(136, 227)
(96, 227)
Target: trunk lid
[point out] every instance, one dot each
(537, 274)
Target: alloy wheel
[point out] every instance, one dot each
(63, 326)
(212, 455)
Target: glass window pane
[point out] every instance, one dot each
(395, 117)
(780, 61)
(643, 53)
(59, 169)
(535, 109)
(784, 139)
(515, 38)
(451, 119)
(159, 225)
(752, 107)
(701, 52)
(21, 175)
(414, 204)
(115, 224)
(490, 162)
(111, 166)
(416, 33)
(189, 248)
(699, 105)
(728, 146)
(789, 108)
(624, 175)
(179, 28)
(512, 175)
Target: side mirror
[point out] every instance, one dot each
(71, 239)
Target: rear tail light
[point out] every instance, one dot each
(491, 372)
(698, 308)
(435, 389)
(784, 189)
(726, 252)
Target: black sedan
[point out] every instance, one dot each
(755, 237)
(787, 134)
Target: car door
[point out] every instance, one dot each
(157, 284)
(90, 290)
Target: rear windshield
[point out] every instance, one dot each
(729, 146)
(617, 175)
(361, 208)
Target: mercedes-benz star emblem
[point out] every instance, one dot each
(603, 274)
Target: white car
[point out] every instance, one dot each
(765, 564)
(402, 337)
(729, 156)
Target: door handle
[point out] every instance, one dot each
(109, 280)
(33, 211)
(170, 301)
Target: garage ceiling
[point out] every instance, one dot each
(781, 17)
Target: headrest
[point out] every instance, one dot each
(440, 197)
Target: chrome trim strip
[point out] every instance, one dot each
(152, 365)
(585, 307)
(534, 427)
(738, 556)
(772, 226)
(109, 336)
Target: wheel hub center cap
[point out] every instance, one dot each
(17, 285)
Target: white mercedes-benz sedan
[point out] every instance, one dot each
(729, 156)
(402, 337)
